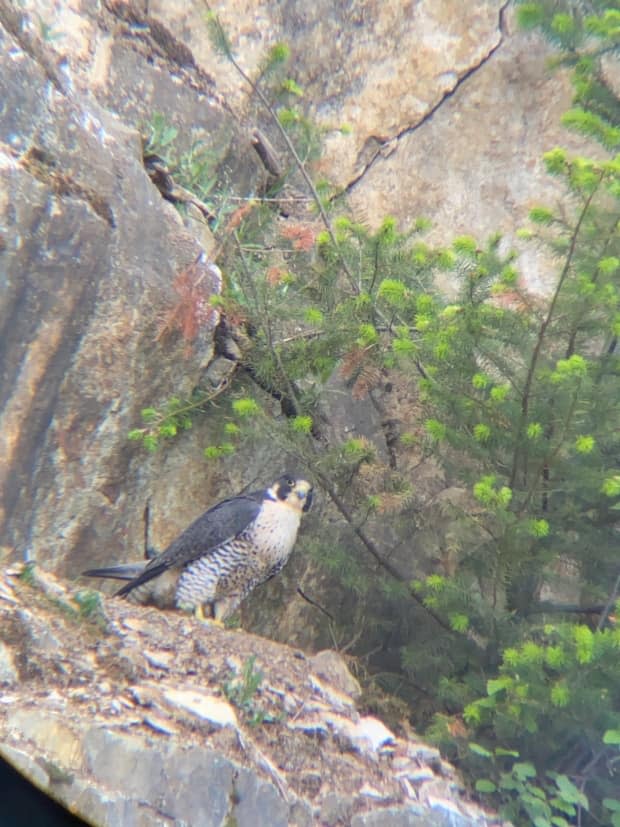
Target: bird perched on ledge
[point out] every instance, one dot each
(224, 554)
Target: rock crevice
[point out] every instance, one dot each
(388, 145)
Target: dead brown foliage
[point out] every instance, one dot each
(301, 236)
(191, 311)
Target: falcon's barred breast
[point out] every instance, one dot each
(218, 560)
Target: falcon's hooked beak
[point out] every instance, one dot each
(304, 490)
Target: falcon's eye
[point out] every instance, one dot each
(290, 482)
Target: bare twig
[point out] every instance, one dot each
(314, 603)
(609, 605)
(267, 154)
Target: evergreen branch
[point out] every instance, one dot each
(276, 355)
(493, 357)
(197, 404)
(525, 400)
(156, 423)
(373, 550)
(402, 680)
(288, 406)
(343, 648)
(375, 268)
(570, 348)
(302, 335)
(544, 469)
(247, 273)
(227, 51)
(289, 402)
(545, 465)
(248, 199)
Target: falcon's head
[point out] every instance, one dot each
(293, 490)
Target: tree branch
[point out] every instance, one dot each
(373, 550)
(525, 400)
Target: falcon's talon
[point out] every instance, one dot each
(223, 555)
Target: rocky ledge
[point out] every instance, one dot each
(133, 716)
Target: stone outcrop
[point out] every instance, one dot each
(137, 717)
(449, 107)
(89, 255)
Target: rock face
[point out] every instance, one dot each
(88, 259)
(137, 717)
(449, 106)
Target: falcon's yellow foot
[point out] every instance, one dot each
(200, 615)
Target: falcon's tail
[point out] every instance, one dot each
(126, 572)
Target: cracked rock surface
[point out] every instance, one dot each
(137, 717)
(88, 256)
(448, 106)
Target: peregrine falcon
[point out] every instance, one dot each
(224, 554)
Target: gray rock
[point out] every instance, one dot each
(205, 707)
(330, 665)
(26, 765)
(411, 816)
(8, 671)
(336, 809)
(88, 258)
